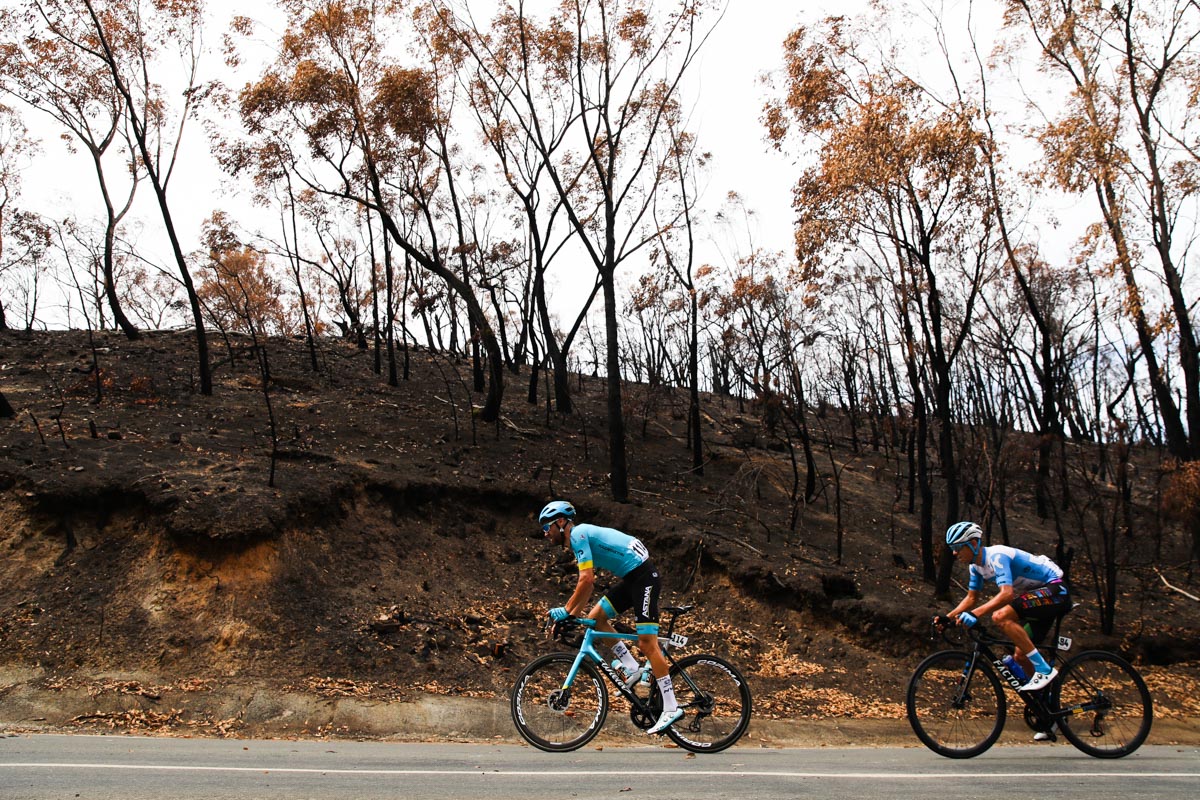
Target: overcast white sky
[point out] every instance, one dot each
(745, 45)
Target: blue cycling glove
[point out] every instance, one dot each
(967, 619)
(558, 614)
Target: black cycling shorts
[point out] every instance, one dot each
(638, 590)
(1041, 607)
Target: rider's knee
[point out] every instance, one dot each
(1004, 615)
(603, 610)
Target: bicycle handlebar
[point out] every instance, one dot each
(942, 626)
(585, 622)
(558, 630)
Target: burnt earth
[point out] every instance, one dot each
(397, 551)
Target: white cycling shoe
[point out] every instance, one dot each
(665, 720)
(1042, 736)
(1040, 680)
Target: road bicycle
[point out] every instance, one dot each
(957, 706)
(560, 700)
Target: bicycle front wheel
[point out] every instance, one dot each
(715, 699)
(956, 711)
(1108, 710)
(551, 717)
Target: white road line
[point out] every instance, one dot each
(882, 776)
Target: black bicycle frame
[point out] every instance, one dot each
(1039, 702)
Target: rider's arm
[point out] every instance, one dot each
(577, 605)
(968, 602)
(1002, 598)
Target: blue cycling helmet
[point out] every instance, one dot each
(961, 533)
(555, 510)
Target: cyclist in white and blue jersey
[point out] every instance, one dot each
(638, 588)
(1029, 588)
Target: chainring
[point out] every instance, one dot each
(646, 714)
(1036, 722)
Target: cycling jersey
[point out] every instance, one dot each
(1008, 566)
(606, 548)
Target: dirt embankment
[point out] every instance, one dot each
(151, 566)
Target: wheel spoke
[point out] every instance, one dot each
(956, 712)
(716, 703)
(1111, 709)
(549, 717)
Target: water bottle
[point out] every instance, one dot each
(621, 669)
(1015, 668)
(643, 685)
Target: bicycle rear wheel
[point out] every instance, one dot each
(1110, 707)
(955, 711)
(715, 699)
(552, 718)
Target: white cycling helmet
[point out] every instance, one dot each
(962, 532)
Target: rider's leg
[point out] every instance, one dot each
(620, 650)
(598, 613)
(1007, 620)
(648, 644)
(1027, 653)
(639, 590)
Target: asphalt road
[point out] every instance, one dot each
(110, 767)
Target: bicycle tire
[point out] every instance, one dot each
(1112, 708)
(536, 709)
(952, 719)
(716, 702)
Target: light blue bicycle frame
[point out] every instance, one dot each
(588, 650)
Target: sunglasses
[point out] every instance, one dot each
(546, 528)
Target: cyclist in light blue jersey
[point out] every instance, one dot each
(638, 588)
(1029, 588)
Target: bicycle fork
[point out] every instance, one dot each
(963, 696)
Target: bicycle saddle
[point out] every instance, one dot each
(677, 610)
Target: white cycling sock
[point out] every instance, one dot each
(667, 690)
(621, 651)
